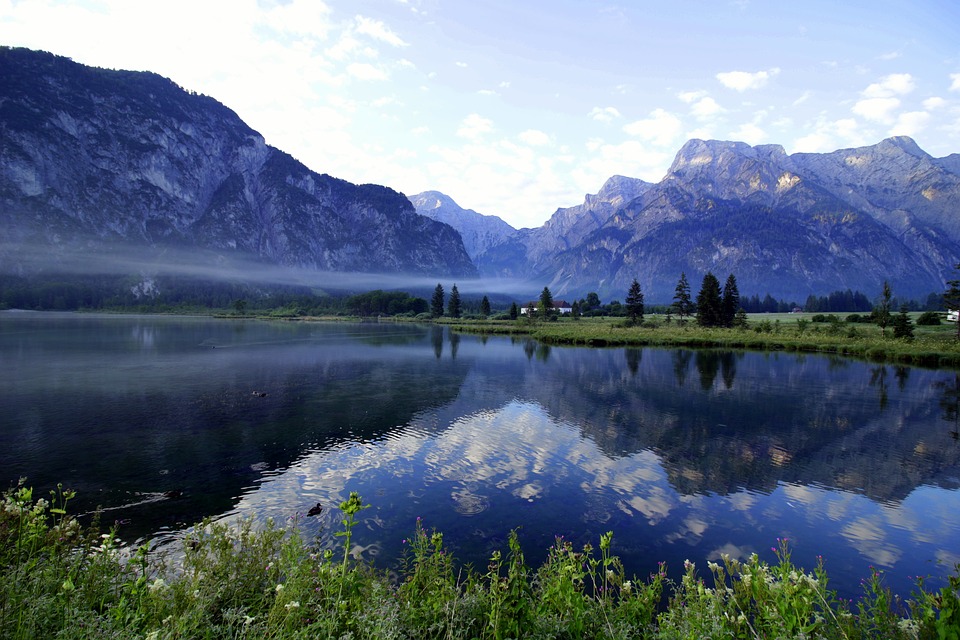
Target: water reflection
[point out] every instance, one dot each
(683, 453)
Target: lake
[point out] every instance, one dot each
(683, 454)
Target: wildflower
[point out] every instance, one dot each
(713, 566)
(153, 635)
(610, 574)
(248, 619)
(627, 586)
(292, 605)
(157, 585)
(279, 588)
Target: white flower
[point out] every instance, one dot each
(627, 586)
(157, 585)
(279, 588)
(292, 605)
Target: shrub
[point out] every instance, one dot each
(929, 318)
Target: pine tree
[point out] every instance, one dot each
(514, 311)
(635, 304)
(546, 303)
(436, 303)
(485, 307)
(682, 304)
(731, 301)
(902, 325)
(453, 306)
(709, 303)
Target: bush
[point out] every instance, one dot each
(929, 319)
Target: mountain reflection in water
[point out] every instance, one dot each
(683, 454)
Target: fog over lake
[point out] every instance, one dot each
(683, 454)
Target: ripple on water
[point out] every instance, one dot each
(469, 504)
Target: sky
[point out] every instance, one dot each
(515, 108)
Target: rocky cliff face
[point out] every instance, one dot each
(789, 225)
(479, 232)
(91, 159)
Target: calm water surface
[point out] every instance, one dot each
(683, 454)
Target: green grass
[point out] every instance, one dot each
(62, 580)
(934, 347)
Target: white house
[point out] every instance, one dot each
(560, 306)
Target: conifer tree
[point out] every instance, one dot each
(546, 303)
(682, 303)
(436, 303)
(709, 302)
(635, 303)
(731, 301)
(453, 306)
(485, 307)
(902, 324)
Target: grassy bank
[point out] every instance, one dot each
(67, 581)
(930, 347)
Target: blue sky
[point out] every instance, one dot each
(516, 108)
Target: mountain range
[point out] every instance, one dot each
(96, 162)
(788, 225)
(125, 170)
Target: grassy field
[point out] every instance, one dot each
(931, 346)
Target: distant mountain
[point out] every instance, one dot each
(523, 253)
(788, 225)
(94, 161)
(479, 232)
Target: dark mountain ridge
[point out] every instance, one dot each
(94, 160)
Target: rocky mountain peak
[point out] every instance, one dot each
(93, 158)
(905, 144)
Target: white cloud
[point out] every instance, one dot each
(534, 137)
(474, 126)
(706, 108)
(743, 80)
(877, 109)
(365, 71)
(661, 127)
(631, 158)
(462, 65)
(829, 136)
(378, 31)
(910, 123)
(896, 84)
(955, 82)
(301, 17)
(806, 95)
(604, 114)
(749, 133)
(934, 102)
(691, 96)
